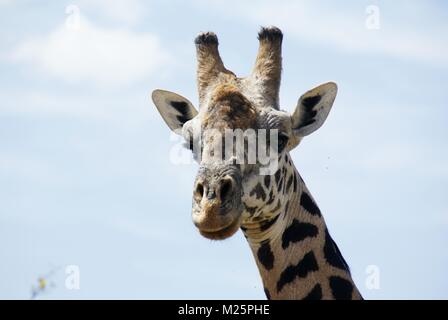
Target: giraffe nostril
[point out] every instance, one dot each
(225, 190)
(199, 191)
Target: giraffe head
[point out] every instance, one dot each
(231, 188)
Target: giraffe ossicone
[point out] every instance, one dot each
(294, 252)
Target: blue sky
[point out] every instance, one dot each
(85, 176)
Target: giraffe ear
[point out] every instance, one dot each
(174, 109)
(313, 108)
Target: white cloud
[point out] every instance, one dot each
(343, 27)
(5, 2)
(348, 32)
(126, 11)
(34, 102)
(93, 54)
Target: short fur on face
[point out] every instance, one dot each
(229, 109)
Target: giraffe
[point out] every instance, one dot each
(294, 252)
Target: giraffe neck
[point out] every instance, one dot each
(295, 254)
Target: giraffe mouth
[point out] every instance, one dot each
(224, 232)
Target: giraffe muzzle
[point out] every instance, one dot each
(217, 206)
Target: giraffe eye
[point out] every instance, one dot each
(282, 142)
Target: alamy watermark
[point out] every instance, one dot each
(372, 281)
(373, 21)
(73, 19)
(73, 279)
(231, 146)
